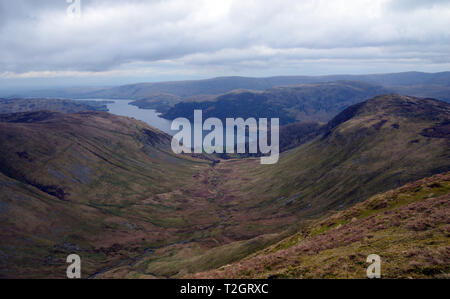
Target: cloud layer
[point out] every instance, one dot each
(205, 37)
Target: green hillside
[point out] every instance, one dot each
(84, 182)
(369, 148)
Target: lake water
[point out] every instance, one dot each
(151, 117)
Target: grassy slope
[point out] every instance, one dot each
(90, 155)
(379, 148)
(408, 227)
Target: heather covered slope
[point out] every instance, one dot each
(407, 227)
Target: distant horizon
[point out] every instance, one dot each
(52, 87)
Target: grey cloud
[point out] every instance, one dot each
(408, 5)
(224, 35)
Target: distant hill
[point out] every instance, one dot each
(306, 102)
(55, 105)
(159, 102)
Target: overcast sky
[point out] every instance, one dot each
(115, 42)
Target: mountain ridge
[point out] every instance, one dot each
(405, 82)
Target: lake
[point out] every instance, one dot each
(149, 116)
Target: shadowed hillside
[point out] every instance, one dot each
(159, 102)
(307, 102)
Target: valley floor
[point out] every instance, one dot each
(230, 229)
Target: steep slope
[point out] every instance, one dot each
(51, 149)
(407, 227)
(307, 102)
(87, 183)
(295, 134)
